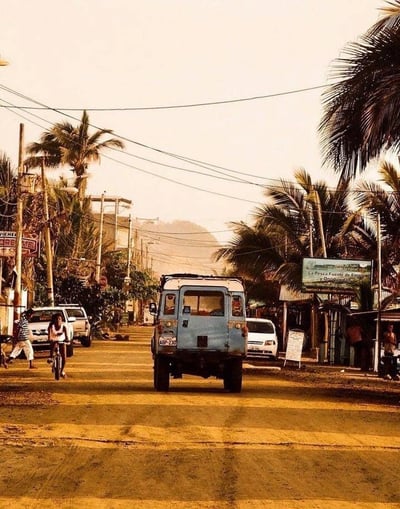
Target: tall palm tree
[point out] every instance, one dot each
(8, 196)
(65, 144)
(374, 198)
(287, 229)
(362, 108)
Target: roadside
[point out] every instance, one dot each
(346, 381)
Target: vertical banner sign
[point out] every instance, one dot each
(294, 346)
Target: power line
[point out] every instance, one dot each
(177, 106)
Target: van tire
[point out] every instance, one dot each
(161, 374)
(233, 374)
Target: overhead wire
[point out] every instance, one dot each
(189, 160)
(180, 106)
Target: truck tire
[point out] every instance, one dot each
(161, 373)
(86, 342)
(70, 349)
(233, 375)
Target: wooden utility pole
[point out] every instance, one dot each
(99, 249)
(47, 237)
(377, 348)
(18, 227)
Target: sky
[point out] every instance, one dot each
(145, 70)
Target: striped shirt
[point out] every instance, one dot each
(23, 329)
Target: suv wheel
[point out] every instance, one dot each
(86, 342)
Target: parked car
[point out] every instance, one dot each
(81, 325)
(262, 341)
(39, 323)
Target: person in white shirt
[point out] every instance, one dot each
(57, 333)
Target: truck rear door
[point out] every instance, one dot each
(203, 318)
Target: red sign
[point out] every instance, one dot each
(30, 244)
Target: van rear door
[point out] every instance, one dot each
(203, 318)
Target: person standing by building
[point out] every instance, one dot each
(389, 347)
(389, 340)
(23, 339)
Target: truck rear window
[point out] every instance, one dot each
(76, 312)
(204, 302)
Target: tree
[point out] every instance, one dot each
(66, 145)
(8, 195)
(361, 109)
(287, 229)
(384, 200)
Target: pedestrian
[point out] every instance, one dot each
(116, 320)
(389, 360)
(356, 337)
(389, 340)
(23, 343)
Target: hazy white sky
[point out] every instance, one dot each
(121, 54)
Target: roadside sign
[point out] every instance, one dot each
(294, 345)
(30, 244)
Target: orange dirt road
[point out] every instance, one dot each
(103, 438)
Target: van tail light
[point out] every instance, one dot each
(245, 331)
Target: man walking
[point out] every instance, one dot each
(23, 341)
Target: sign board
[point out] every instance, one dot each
(30, 244)
(335, 276)
(294, 346)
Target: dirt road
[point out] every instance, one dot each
(103, 438)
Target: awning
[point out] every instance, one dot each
(386, 316)
(288, 295)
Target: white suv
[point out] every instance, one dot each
(39, 323)
(81, 324)
(262, 340)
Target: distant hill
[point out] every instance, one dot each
(178, 246)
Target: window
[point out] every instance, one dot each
(262, 327)
(76, 312)
(204, 303)
(169, 304)
(237, 306)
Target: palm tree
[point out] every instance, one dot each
(65, 145)
(8, 195)
(287, 229)
(384, 200)
(361, 109)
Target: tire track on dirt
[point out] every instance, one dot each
(229, 475)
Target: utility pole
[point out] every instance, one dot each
(377, 348)
(49, 251)
(98, 262)
(18, 227)
(127, 279)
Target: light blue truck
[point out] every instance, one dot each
(200, 329)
